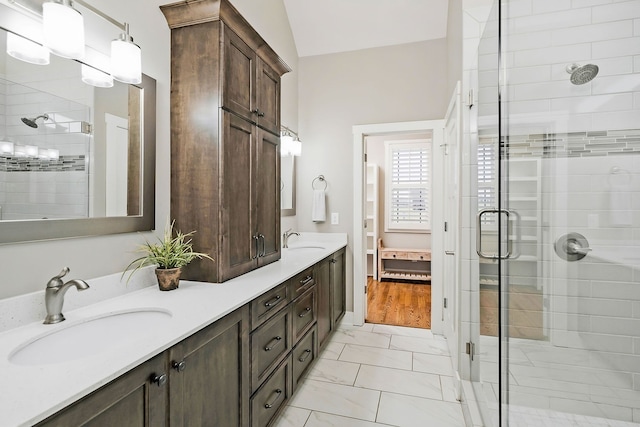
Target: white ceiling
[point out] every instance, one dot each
(330, 26)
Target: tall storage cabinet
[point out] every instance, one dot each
(225, 122)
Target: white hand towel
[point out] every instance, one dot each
(620, 213)
(318, 211)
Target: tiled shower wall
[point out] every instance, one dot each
(34, 188)
(540, 39)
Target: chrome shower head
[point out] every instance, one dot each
(32, 122)
(581, 74)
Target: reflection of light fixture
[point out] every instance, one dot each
(48, 153)
(6, 148)
(26, 50)
(94, 77)
(290, 144)
(63, 28)
(126, 59)
(25, 151)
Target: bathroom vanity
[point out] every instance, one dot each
(228, 354)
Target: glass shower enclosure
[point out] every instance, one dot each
(556, 325)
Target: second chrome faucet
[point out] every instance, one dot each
(285, 237)
(54, 295)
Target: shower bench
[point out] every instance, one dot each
(404, 264)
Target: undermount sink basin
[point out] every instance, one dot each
(303, 248)
(89, 337)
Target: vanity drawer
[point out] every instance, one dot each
(419, 256)
(303, 354)
(304, 313)
(268, 304)
(270, 343)
(395, 255)
(301, 282)
(271, 397)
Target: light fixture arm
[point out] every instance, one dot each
(123, 26)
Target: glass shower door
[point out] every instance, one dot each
(558, 324)
(569, 168)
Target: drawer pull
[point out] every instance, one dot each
(305, 355)
(159, 380)
(394, 255)
(277, 393)
(306, 280)
(305, 312)
(273, 301)
(272, 343)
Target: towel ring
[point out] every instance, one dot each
(321, 179)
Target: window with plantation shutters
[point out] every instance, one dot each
(408, 189)
(487, 180)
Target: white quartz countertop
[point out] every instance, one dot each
(31, 393)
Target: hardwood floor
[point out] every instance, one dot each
(399, 303)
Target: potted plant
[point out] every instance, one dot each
(173, 251)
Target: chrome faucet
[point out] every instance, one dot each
(285, 237)
(54, 295)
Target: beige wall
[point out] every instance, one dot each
(391, 84)
(27, 267)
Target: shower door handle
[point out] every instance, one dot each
(510, 247)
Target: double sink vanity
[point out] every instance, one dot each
(219, 354)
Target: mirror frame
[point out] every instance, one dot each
(13, 231)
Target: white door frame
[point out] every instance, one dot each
(359, 235)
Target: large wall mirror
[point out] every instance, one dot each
(288, 186)
(75, 160)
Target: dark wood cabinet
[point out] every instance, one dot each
(136, 399)
(338, 288)
(209, 379)
(331, 294)
(201, 381)
(225, 125)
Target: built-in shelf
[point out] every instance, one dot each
(371, 216)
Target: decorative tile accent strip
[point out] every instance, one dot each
(573, 144)
(62, 164)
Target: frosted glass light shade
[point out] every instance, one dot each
(63, 28)
(94, 77)
(296, 148)
(126, 60)
(26, 50)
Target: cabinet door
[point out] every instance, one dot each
(268, 98)
(239, 76)
(323, 284)
(133, 400)
(338, 291)
(238, 201)
(268, 197)
(209, 379)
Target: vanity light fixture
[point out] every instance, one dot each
(290, 144)
(126, 58)
(26, 50)
(63, 28)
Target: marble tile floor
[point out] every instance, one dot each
(557, 386)
(377, 375)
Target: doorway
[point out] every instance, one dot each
(361, 133)
(397, 213)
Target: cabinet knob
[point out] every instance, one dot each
(159, 380)
(333, 261)
(394, 255)
(179, 366)
(258, 113)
